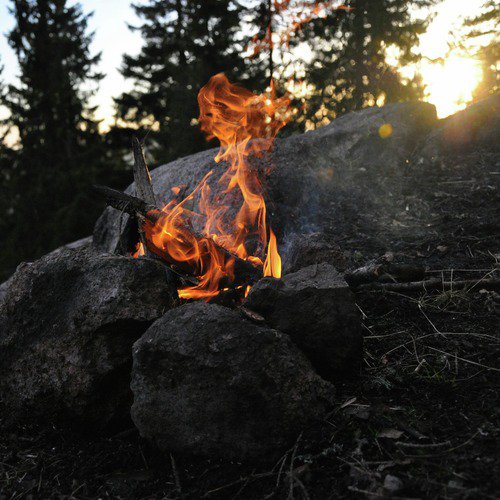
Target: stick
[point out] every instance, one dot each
(143, 186)
(374, 271)
(432, 284)
(124, 202)
(143, 189)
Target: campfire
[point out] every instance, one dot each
(218, 238)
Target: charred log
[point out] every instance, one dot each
(244, 271)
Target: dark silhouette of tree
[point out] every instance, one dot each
(59, 152)
(485, 24)
(185, 43)
(350, 68)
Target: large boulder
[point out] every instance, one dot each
(208, 382)
(317, 309)
(67, 325)
(302, 166)
(81, 243)
(474, 128)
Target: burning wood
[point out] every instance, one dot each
(244, 271)
(202, 235)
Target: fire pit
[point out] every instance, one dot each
(224, 350)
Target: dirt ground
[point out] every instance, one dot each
(422, 419)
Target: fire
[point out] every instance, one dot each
(224, 217)
(139, 251)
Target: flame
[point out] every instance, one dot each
(272, 266)
(226, 216)
(139, 251)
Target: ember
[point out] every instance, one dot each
(194, 232)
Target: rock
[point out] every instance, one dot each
(472, 129)
(393, 483)
(317, 309)
(208, 382)
(307, 249)
(84, 242)
(67, 325)
(348, 151)
(4, 287)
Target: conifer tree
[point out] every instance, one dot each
(350, 68)
(59, 147)
(185, 42)
(485, 25)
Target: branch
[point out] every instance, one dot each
(432, 284)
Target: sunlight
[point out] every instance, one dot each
(449, 86)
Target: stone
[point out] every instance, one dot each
(392, 483)
(467, 131)
(302, 167)
(317, 309)
(67, 325)
(304, 250)
(208, 382)
(83, 242)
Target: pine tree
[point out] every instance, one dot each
(485, 25)
(350, 68)
(59, 145)
(185, 43)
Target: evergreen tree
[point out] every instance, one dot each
(59, 146)
(485, 25)
(185, 43)
(350, 68)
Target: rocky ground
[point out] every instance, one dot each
(421, 420)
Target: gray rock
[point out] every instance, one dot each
(4, 287)
(317, 309)
(67, 325)
(302, 166)
(304, 250)
(84, 242)
(393, 483)
(472, 129)
(208, 382)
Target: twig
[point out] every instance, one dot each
(175, 473)
(466, 360)
(449, 450)
(432, 284)
(238, 481)
(292, 461)
(418, 445)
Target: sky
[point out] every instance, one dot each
(449, 84)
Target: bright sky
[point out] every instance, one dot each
(449, 84)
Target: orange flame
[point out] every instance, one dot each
(139, 251)
(231, 212)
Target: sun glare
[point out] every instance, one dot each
(449, 86)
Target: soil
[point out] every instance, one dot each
(420, 421)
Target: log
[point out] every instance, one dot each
(384, 272)
(122, 201)
(244, 271)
